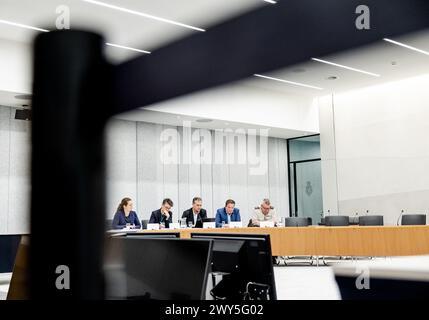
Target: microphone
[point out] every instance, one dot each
(400, 216)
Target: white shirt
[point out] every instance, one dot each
(195, 217)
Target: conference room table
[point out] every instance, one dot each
(333, 241)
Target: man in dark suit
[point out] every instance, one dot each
(163, 215)
(196, 214)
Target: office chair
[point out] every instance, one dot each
(296, 222)
(144, 224)
(310, 221)
(413, 219)
(336, 221)
(371, 221)
(322, 222)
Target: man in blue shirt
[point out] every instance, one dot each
(227, 214)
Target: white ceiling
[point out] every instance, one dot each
(120, 27)
(143, 33)
(376, 58)
(139, 32)
(172, 119)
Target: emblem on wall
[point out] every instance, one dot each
(308, 188)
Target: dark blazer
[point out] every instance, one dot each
(158, 217)
(119, 221)
(189, 215)
(221, 215)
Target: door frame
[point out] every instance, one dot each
(295, 200)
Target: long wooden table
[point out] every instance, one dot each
(336, 241)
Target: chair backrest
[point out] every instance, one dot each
(322, 222)
(371, 221)
(144, 224)
(310, 221)
(209, 219)
(413, 219)
(337, 221)
(296, 222)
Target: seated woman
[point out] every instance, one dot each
(124, 215)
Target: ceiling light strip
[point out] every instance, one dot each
(287, 81)
(20, 25)
(142, 14)
(407, 46)
(15, 24)
(346, 67)
(126, 48)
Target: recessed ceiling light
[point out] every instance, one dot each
(394, 63)
(407, 46)
(142, 14)
(271, 1)
(126, 48)
(345, 67)
(204, 120)
(25, 26)
(289, 82)
(332, 78)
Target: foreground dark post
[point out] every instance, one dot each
(70, 108)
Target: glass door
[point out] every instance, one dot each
(307, 190)
(305, 178)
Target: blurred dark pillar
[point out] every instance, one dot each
(70, 107)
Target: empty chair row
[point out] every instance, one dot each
(373, 220)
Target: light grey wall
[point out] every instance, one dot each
(14, 173)
(381, 149)
(135, 169)
(328, 155)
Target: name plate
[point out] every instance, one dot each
(236, 224)
(266, 224)
(209, 225)
(174, 226)
(153, 226)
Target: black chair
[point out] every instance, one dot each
(413, 219)
(144, 224)
(371, 221)
(337, 221)
(296, 222)
(310, 221)
(322, 222)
